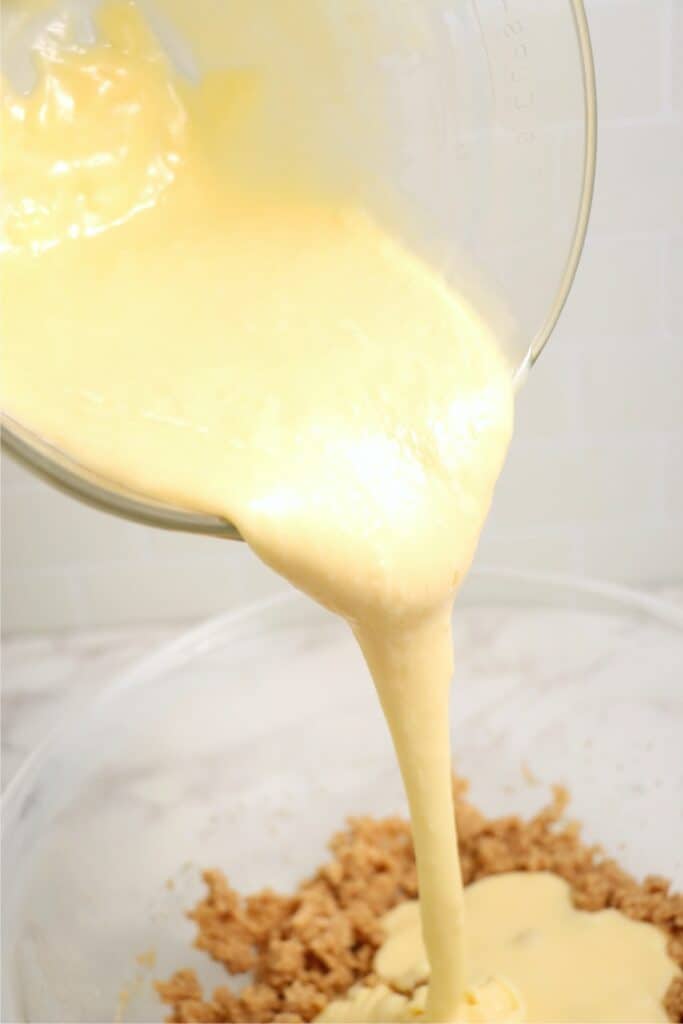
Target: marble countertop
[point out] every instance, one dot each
(46, 677)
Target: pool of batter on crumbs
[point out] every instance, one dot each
(306, 948)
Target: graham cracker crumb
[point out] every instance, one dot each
(305, 949)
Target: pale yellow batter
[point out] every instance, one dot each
(532, 956)
(273, 359)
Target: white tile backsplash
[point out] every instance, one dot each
(639, 30)
(617, 290)
(672, 290)
(536, 548)
(630, 384)
(639, 174)
(676, 52)
(66, 564)
(34, 599)
(669, 461)
(619, 551)
(594, 483)
(538, 485)
(43, 529)
(164, 589)
(551, 396)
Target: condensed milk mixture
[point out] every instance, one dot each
(277, 359)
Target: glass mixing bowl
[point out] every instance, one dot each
(469, 128)
(245, 743)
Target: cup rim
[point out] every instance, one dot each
(590, 133)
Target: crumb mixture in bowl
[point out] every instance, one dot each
(305, 949)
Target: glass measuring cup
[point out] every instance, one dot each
(467, 126)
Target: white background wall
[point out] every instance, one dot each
(594, 483)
